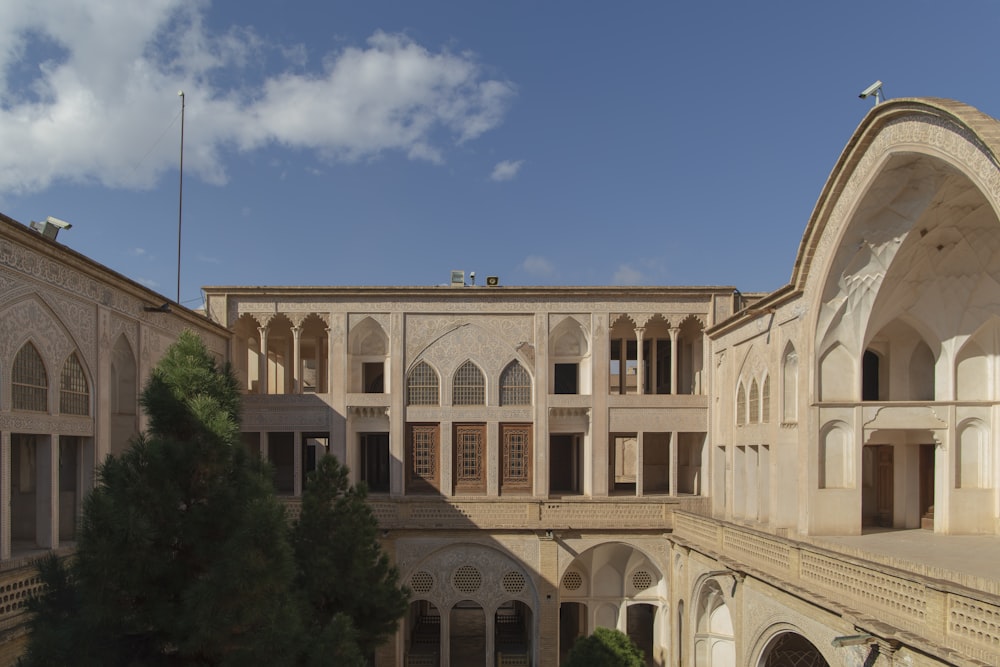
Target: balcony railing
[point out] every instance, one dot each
(960, 619)
(613, 513)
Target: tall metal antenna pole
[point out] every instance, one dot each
(180, 201)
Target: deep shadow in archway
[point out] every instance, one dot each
(789, 649)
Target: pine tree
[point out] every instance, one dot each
(342, 568)
(183, 555)
(605, 648)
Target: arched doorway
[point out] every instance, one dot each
(639, 627)
(572, 626)
(467, 634)
(423, 635)
(614, 585)
(512, 625)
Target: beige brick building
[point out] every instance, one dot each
(806, 477)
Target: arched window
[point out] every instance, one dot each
(754, 402)
(422, 386)
(74, 395)
(790, 386)
(29, 383)
(468, 386)
(515, 385)
(765, 401)
(741, 405)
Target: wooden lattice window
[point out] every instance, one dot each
(29, 383)
(470, 448)
(515, 385)
(74, 395)
(515, 473)
(422, 457)
(468, 386)
(422, 386)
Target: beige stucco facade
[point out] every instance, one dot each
(806, 477)
(76, 344)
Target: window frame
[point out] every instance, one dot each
(29, 380)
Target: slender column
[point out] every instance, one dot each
(445, 641)
(328, 369)
(489, 628)
(640, 372)
(654, 370)
(320, 385)
(673, 359)
(262, 362)
(296, 360)
(673, 463)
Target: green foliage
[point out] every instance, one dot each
(182, 555)
(342, 568)
(188, 395)
(336, 644)
(605, 648)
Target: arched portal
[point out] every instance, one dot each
(898, 274)
(714, 645)
(488, 606)
(614, 585)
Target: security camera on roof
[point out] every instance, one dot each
(870, 90)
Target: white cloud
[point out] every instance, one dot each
(506, 170)
(137, 252)
(627, 275)
(86, 88)
(538, 266)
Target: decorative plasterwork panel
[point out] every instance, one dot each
(264, 311)
(903, 417)
(368, 412)
(58, 274)
(31, 319)
(382, 319)
(488, 567)
(446, 342)
(290, 419)
(17, 422)
(848, 272)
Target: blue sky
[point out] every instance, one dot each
(387, 143)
